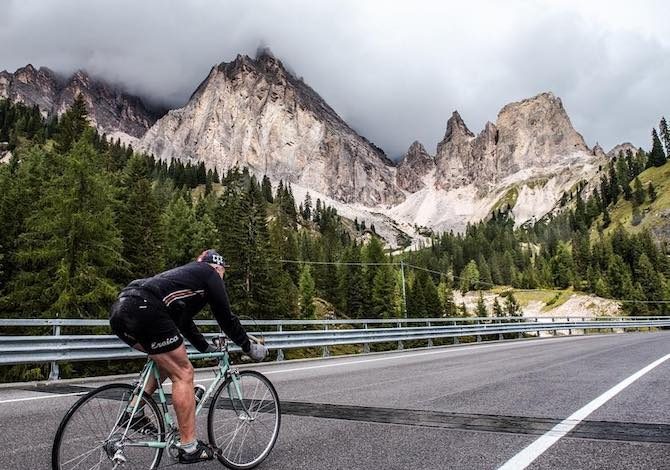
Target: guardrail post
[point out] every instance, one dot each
(54, 370)
(280, 352)
(430, 340)
(455, 337)
(555, 331)
(585, 331)
(479, 337)
(567, 319)
(366, 346)
(400, 345)
(520, 334)
(326, 349)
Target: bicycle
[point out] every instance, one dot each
(98, 432)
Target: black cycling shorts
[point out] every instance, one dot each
(137, 320)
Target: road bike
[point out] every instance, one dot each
(104, 428)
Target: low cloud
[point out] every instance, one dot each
(394, 71)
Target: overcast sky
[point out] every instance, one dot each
(394, 71)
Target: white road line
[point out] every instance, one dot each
(43, 397)
(524, 458)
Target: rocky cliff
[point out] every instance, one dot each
(111, 110)
(253, 112)
(523, 163)
(413, 168)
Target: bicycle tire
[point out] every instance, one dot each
(116, 395)
(267, 405)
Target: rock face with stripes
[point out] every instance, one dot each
(111, 110)
(255, 113)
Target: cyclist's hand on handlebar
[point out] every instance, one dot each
(257, 351)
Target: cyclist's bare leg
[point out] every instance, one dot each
(176, 365)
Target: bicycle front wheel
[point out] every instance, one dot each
(243, 421)
(91, 434)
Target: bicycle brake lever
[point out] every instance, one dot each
(256, 340)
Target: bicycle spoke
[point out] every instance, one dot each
(80, 456)
(97, 422)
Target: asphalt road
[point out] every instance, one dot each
(466, 407)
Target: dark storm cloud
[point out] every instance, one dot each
(394, 71)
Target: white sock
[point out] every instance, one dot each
(190, 447)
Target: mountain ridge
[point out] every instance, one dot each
(111, 110)
(256, 113)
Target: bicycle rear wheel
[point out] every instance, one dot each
(92, 431)
(244, 419)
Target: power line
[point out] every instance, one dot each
(342, 263)
(345, 263)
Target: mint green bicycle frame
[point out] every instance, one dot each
(224, 371)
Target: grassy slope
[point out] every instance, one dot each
(622, 213)
(552, 298)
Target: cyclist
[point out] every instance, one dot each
(152, 314)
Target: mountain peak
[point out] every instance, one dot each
(111, 110)
(456, 127)
(256, 113)
(413, 166)
(622, 148)
(536, 132)
(416, 148)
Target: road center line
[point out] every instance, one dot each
(524, 458)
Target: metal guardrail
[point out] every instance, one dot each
(55, 348)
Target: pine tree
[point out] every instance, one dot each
(469, 277)
(485, 279)
(497, 309)
(463, 310)
(512, 307)
(266, 188)
(651, 190)
(382, 293)
(431, 297)
(179, 228)
(638, 192)
(619, 282)
(562, 267)
(71, 248)
(657, 156)
(308, 207)
(665, 134)
(651, 282)
(350, 282)
(139, 222)
(307, 290)
(481, 310)
(446, 296)
(72, 125)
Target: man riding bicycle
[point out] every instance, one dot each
(152, 314)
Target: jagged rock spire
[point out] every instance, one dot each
(413, 167)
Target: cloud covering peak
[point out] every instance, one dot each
(394, 71)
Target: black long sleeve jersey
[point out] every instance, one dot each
(184, 291)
